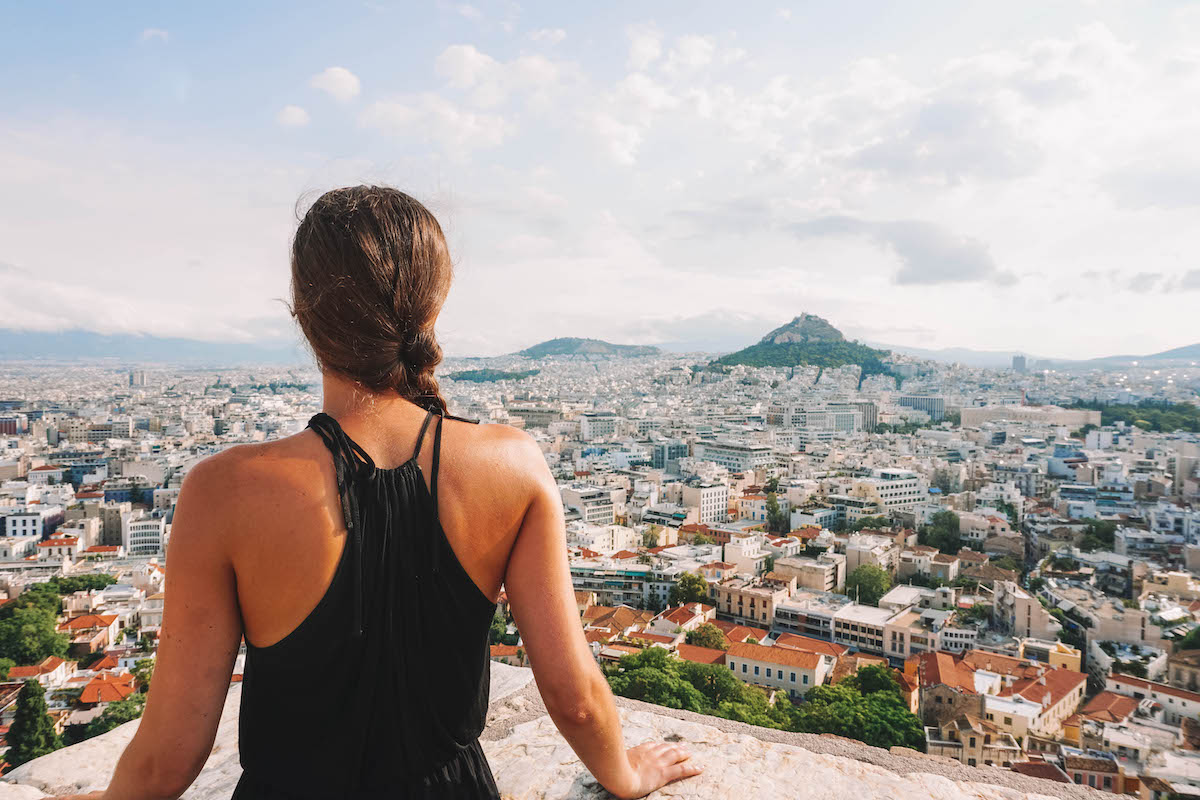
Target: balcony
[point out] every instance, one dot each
(531, 761)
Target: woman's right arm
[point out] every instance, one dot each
(542, 599)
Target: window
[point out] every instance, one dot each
(1107, 782)
(743, 668)
(755, 670)
(794, 678)
(731, 666)
(970, 762)
(768, 672)
(1008, 720)
(805, 678)
(1078, 778)
(972, 742)
(1092, 781)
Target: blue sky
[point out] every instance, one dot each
(992, 175)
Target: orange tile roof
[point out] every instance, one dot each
(1057, 683)
(784, 656)
(700, 655)
(807, 643)
(1109, 707)
(87, 622)
(1002, 664)
(107, 688)
(944, 669)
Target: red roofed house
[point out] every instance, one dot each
(810, 645)
(107, 688)
(52, 671)
(104, 552)
(90, 632)
(64, 547)
(792, 671)
(682, 618)
(717, 571)
(509, 654)
(700, 655)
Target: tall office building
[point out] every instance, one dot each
(1019, 364)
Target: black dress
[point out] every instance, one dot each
(382, 690)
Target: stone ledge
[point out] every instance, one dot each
(531, 760)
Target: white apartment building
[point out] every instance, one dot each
(597, 425)
(606, 539)
(745, 551)
(142, 535)
(712, 500)
(31, 520)
(733, 455)
(861, 626)
(593, 503)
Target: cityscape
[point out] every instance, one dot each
(859, 342)
(993, 565)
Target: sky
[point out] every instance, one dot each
(999, 176)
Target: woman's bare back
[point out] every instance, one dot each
(291, 532)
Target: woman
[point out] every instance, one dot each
(361, 560)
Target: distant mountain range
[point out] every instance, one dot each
(18, 345)
(586, 347)
(808, 340)
(1002, 359)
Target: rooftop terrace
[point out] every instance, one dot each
(531, 761)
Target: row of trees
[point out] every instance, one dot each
(867, 707)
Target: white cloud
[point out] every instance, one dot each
(338, 82)
(432, 119)
(690, 53)
(492, 82)
(645, 46)
(549, 35)
(150, 34)
(292, 117)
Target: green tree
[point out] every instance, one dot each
(116, 714)
(30, 635)
(867, 584)
(879, 718)
(690, 588)
(5, 665)
(942, 532)
(873, 678)
(143, 672)
(650, 537)
(778, 520)
(707, 635)
(702, 538)
(874, 523)
(32, 731)
(498, 629)
(772, 485)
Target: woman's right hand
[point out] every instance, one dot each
(654, 765)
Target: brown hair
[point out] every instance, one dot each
(370, 271)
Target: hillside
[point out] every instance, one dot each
(490, 375)
(807, 340)
(570, 346)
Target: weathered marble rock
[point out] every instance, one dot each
(532, 761)
(535, 763)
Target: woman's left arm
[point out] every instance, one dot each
(201, 633)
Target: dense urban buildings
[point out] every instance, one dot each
(1022, 564)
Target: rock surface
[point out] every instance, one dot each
(531, 760)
